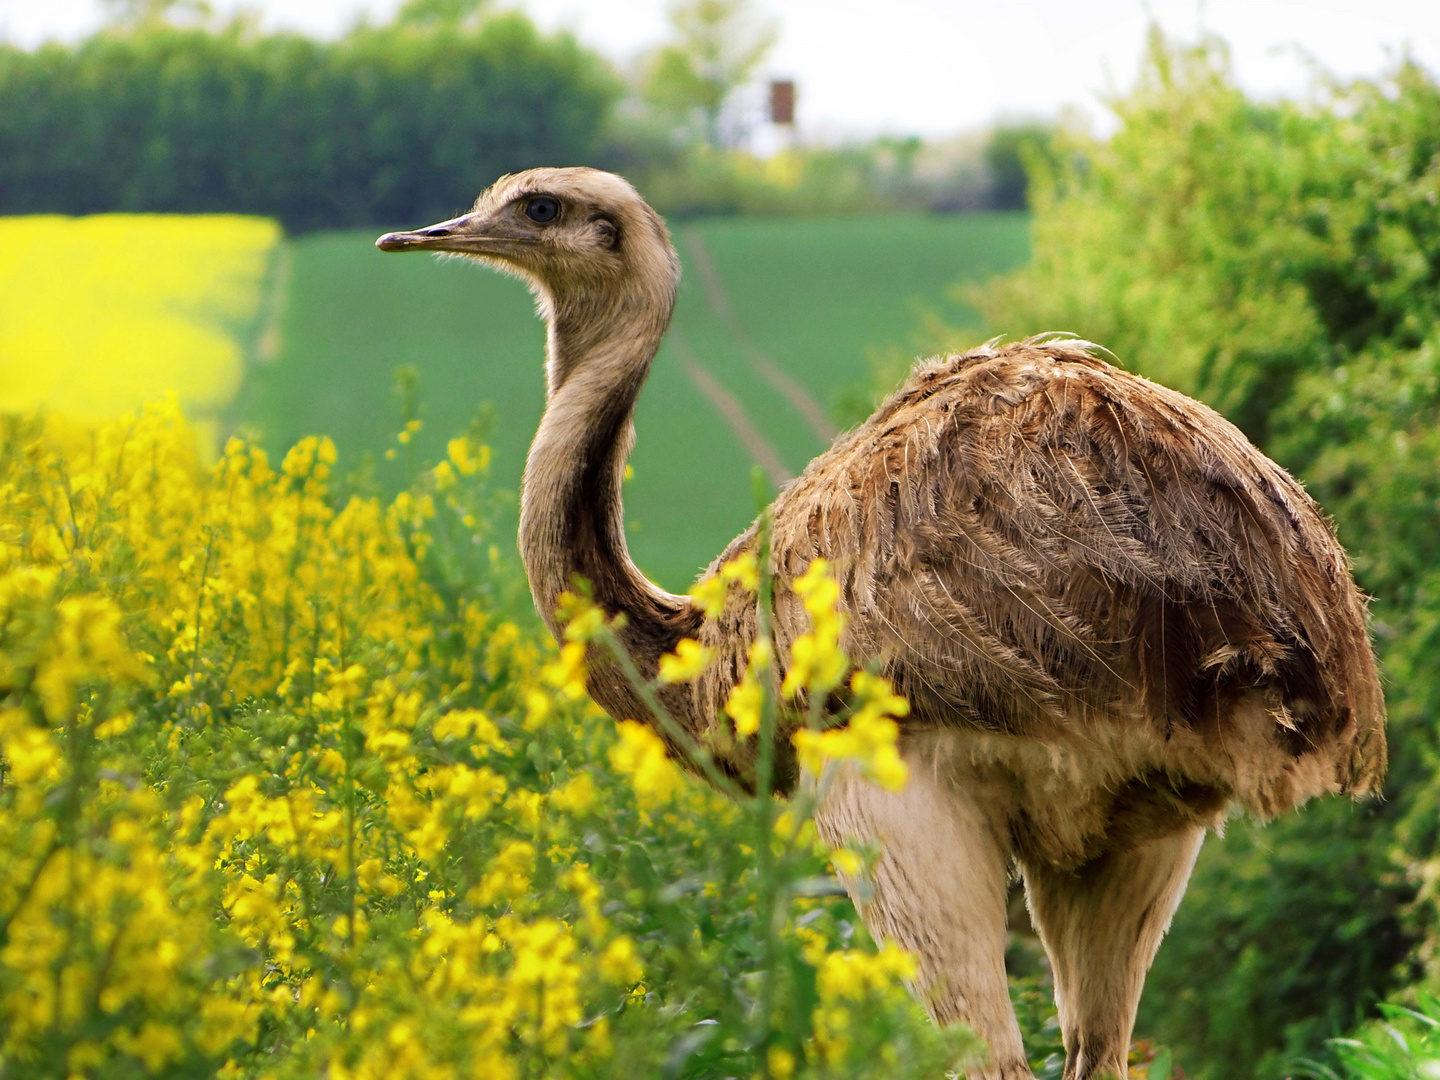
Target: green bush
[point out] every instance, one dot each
(1405, 1045)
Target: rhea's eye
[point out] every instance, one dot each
(542, 208)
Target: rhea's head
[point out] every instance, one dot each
(586, 241)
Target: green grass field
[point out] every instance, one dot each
(817, 299)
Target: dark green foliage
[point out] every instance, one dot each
(390, 124)
(1283, 263)
(1010, 152)
(1289, 935)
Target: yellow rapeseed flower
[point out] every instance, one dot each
(567, 673)
(468, 724)
(582, 618)
(509, 876)
(817, 664)
(709, 595)
(870, 739)
(818, 590)
(576, 797)
(688, 660)
(743, 706)
(744, 570)
(620, 962)
(458, 451)
(642, 756)
(781, 1062)
(846, 862)
(368, 797)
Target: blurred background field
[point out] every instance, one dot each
(821, 300)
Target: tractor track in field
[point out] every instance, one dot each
(729, 407)
(799, 398)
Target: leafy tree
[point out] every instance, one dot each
(1008, 151)
(457, 13)
(718, 46)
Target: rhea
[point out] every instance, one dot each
(1115, 619)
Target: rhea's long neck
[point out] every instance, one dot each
(571, 517)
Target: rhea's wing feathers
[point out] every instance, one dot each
(1028, 536)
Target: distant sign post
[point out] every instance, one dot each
(782, 101)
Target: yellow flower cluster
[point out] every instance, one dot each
(869, 739)
(641, 755)
(243, 742)
(849, 978)
(710, 593)
(746, 697)
(688, 660)
(816, 663)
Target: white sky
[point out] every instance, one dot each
(929, 66)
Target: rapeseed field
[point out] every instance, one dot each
(286, 795)
(101, 314)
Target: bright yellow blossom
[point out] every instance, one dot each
(577, 796)
(817, 664)
(641, 754)
(709, 595)
(743, 705)
(621, 962)
(688, 660)
(744, 570)
(458, 451)
(781, 1062)
(847, 862)
(510, 875)
(870, 739)
(582, 618)
(567, 673)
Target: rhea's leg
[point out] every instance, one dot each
(938, 891)
(1101, 926)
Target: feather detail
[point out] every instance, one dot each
(1033, 541)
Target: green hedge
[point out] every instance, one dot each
(390, 124)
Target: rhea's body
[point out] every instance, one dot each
(1114, 618)
(1091, 585)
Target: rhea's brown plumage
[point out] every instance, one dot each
(1114, 618)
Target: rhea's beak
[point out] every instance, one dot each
(474, 234)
